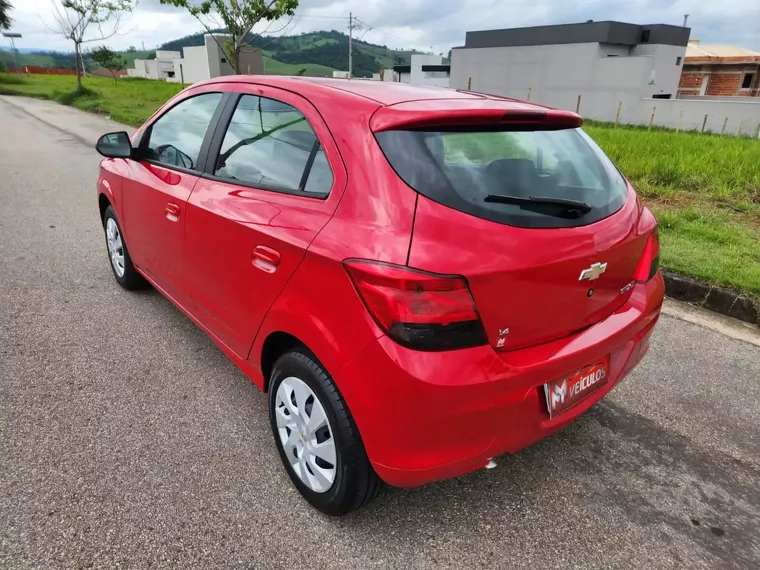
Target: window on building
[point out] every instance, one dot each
(678, 61)
(645, 36)
(176, 137)
(270, 145)
(749, 79)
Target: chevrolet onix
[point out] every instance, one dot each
(421, 279)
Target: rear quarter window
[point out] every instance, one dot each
(460, 168)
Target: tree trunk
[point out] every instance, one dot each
(77, 56)
(237, 60)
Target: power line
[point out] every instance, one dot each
(376, 29)
(317, 17)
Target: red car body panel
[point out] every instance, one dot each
(423, 416)
(533, 291)
(439, 415)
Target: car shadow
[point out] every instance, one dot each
(610, 461)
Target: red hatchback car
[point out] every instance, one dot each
(421, 278)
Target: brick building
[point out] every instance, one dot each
(721, 71)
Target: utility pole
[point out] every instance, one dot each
(685, 19)
(350, 46)
(352, 24)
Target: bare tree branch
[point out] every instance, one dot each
(73, 19)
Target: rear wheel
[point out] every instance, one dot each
(317, 438)
(121, 264)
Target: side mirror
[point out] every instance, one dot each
(115, 145)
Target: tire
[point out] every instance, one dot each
(121, 265)
(354, 482)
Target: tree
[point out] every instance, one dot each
(73, 18)
(238, 17)
(301, 72)
(109, 60)
(5, 19)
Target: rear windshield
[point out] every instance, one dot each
(527, 178)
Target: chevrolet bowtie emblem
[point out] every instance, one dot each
(593, 272)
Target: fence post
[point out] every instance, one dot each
(469, 83)
(680, 118)
(704, 122)
(578, 105)
(617, 117)
(528, 98)
(741, 124)
(723, 128)
(651, 118)
(182, 76)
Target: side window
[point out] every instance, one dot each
(271, 145)
(176, 137)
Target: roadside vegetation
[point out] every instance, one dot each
(705, 189)
(129, 100)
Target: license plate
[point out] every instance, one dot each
(563, 394)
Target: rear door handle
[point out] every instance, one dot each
(266, 258)
(172, 211)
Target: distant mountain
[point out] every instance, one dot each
(328, 49)
(314, 53)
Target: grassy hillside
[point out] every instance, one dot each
(274, 67)
(326, 49)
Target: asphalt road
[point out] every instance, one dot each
(128, 440)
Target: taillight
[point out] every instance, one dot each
(650, 261)
(416, 309)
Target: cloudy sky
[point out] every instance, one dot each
(430, 25)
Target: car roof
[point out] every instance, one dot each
(382, 92)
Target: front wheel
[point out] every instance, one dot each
(121, 264)
(317, 438)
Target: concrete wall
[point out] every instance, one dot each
(420, 77)
(167, 55)
(194, 66)
(666, 68)
(151, 69)
(689, 114)
(251, 59)
(556, 75)
(251, 62)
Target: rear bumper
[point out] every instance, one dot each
(424, 417)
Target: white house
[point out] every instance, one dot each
(197, 63)
(424, 70)
(162, 67)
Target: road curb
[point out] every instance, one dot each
(723, 301)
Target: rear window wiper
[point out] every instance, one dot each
(559, 207)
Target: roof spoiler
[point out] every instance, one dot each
(458, 113)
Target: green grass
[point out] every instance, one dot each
(705, 189)
(130, 100)
(709, 246)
